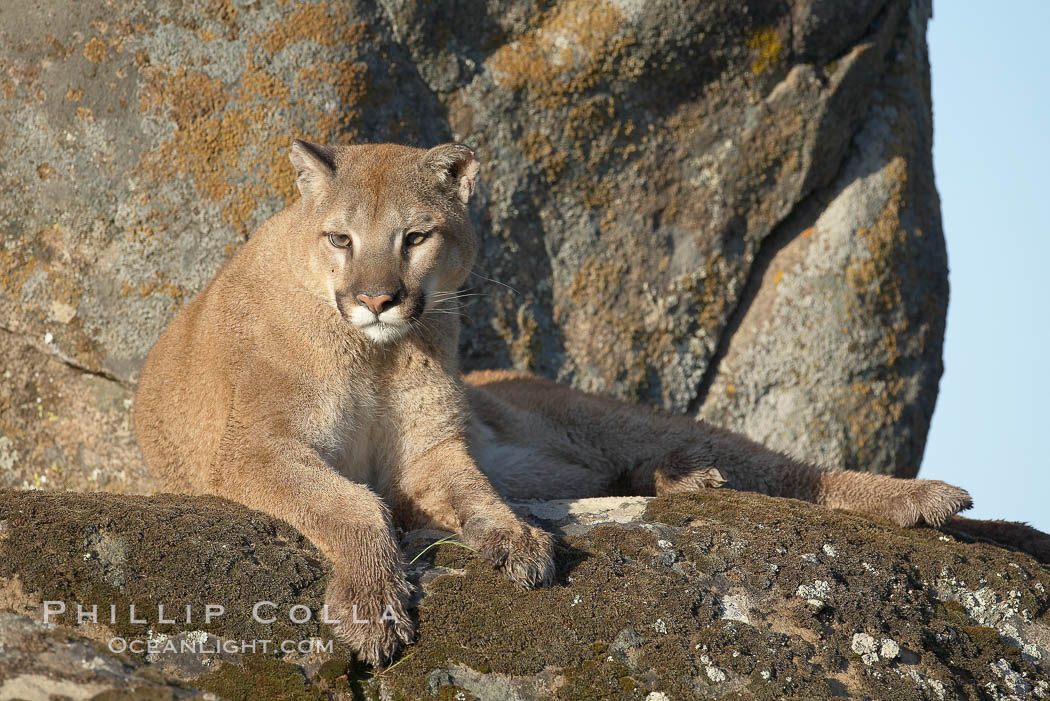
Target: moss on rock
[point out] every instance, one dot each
(106, 550)
(711, 594)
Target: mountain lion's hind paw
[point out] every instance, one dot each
(930, 502)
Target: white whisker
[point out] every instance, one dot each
(503, 284)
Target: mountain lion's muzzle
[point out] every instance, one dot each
(378, 303)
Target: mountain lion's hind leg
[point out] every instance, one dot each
(715, 460)
(647, 452)
(746, 465)
(902, 502)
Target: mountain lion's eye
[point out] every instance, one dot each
(415, 238)
(339, 240)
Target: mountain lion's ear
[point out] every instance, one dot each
(314, 166)
(455, 165)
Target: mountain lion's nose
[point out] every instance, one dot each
(379, 303)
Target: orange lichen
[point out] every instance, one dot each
(765, 43)
(873, 405)
(16, 265)
(95, 50)
(187, 96)
(224, 12)
(602, 325)
(567, 54)
(173, 291)
(586, 121)
(527, 344)
(204, 140)
(350, 80)
(56, 48)
(223, 135)
(307, 21)
(877, 281)
(596, 312)
(537, 147)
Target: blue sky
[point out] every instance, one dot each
(991, 106)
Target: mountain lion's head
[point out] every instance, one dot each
(386, 229)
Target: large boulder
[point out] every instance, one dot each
(716, 594)
(721, 208)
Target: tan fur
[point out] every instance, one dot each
(1006, 534)
(540, 440)
(279, 387)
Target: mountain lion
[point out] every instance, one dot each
(316, 379)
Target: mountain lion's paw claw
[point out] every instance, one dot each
(372, 618)
(522, 552)
(529, 561)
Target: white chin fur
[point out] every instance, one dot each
(379, 332)
(382, 330)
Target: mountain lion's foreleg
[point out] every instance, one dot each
(345, 520)
(443, 488)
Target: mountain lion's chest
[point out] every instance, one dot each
(353, 429)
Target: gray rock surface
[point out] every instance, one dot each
(721, 208)
(823, 357)
(41, 661)
(692, 596)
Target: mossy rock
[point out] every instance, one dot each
(717, 594)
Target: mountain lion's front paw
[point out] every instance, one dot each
(520, 551)
(929, 502)
(372, 618)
